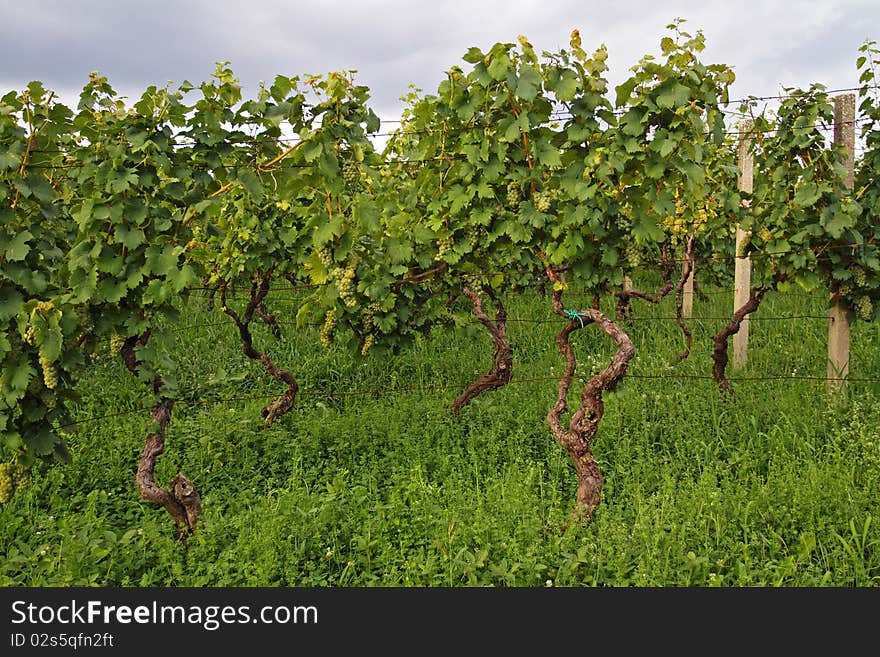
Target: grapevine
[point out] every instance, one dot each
(519, 168)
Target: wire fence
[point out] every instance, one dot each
(458, 387)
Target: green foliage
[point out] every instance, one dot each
(130, 191)
(863, 263)
(519, 160)
(40, 331)
(667, 161)
(807, 228)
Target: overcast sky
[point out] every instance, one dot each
(395, 43)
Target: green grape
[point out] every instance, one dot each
(513, 194)
(351, 174)
(632, 255)
(7, 483)
(369, 316)
(542, 202)
(325, 256)
(444, 246)
(20, 476)
(327, 328)
(864, 308)
(50, 372)
(117, 340)
(345, 285)
(859, 277)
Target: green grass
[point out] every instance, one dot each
(773, 488)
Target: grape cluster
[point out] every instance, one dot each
(674, 225)
(13, 478)
(859, 276)
(702, 219)
(369, 326)
(542, 202)
(7, 483)
(345, 284)
(514, 195)
(86, 329)
(327, 328)
(117, 340)
(50, 372)
(864, 308)
(444, 246)
(351, 174)
(475, 233)
(325, 256)
(632, 254)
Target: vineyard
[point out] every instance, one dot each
(494, 352)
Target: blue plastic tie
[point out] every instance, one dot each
(574, 314)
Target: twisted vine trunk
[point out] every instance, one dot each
(259, 290)
(181, 500)
(577, 437)
(721, 339)
(269, 319)
(502, 356)
(686, 269)
(624, 296)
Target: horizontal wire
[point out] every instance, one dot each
(381, 392)
(514, 320)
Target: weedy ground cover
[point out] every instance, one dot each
(371, 481)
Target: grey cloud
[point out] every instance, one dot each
(393, 43)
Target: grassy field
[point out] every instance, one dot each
(387, 488)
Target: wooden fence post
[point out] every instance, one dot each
(687, 297)
(838, 314)
(742, 280)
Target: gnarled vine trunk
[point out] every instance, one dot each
(686, 269)
(502, 356)
(259, 290)
(624, 296)
(721, 339)
(577, 437)
(181, 500)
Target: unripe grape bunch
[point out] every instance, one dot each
(444, 246)
(327, 328)
(514, 195)
(632, 254)
(13, 478)
(864, 308)
(351, 174)
(542, 202)
(325, 256)
(369, 327)
(345, 284)
(117, 340)
(858, 276)
(50, 372)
